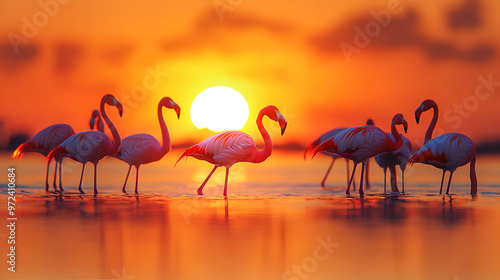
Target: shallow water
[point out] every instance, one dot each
(276, 224)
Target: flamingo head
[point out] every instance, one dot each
(370, 122)
(95, 115)
(424, 106)
(399, 119)
(170, 104)
(111, 100)
(274, 114)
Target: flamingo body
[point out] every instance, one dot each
(363, 142)
(91, 146)
(229, 147)
(43, 142)
(143, 148)
(446, 152)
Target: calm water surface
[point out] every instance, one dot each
(276, 224)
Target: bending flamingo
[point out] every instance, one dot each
(96, 119)
(43, 142)
(333, 155)
(391, 159)
(91, 146)
(230, 147)
(143, 148)
(448, 151)
(363, 142)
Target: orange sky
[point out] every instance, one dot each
(285, 53)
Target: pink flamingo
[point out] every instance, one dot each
(334, 156)
(43, 142)
(391, 159)
(230, 147)
(96, 119)
(143, 148)
(363, 142)
(448, 151)
(91, 146)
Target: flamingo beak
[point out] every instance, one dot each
(120, 108)
(282, 122)
(92, 122)
(405, 125)
(418, 112)
(176, 108)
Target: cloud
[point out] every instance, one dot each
(468, 15)
(67, 57)
(211, 32)
(402, 30)
(12, 62)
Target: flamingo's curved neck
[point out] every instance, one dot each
(268, 144)
(398, 140)
(432, 125)
(166, 145)
(116, 137)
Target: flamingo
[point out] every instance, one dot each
(96, 119)
(91, 146)
(334, 156)
(391, 159)
(143, 148)
(230, 147)
(447, 152)
(363, 142)
(43, 142)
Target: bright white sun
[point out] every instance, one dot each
(219, 108)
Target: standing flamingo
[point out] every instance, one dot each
(91, 146)
(230, 147)
(333, 155)
(391, 159)
(96, 119)
(143, 148)
(448, 151)
(363, 142)
(43, 142)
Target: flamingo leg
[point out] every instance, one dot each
(361, 192)
(347, 167)
(385, 178)
(348, 191)
(47, 179)
(449, 182)
(95, 179)
(353, 182)
(403, 179)
(126, 178)
(60, 177)
(81, 179)
(328, 172)
(442, 179)
(200, 189)
(367, 173)
(136, 178)
(394, 182)
(225, 183)
(55, 176)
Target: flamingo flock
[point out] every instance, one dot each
(357, 144)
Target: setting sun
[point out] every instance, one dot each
(219, 108)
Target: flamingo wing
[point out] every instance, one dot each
(139, 149)
(448, 151)
(85, 146)
(325, 136)
(361, 142)
(223, 149)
